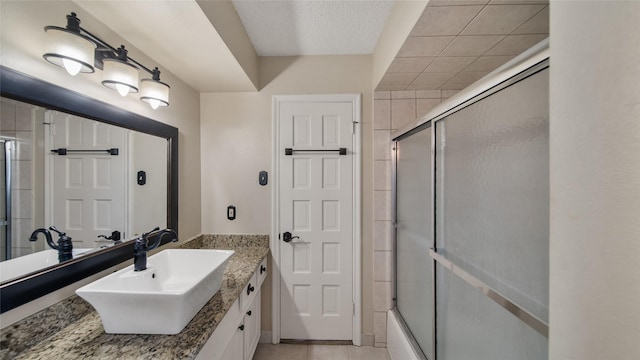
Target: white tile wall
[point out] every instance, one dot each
(17, 122)
(409, 105)
(403, 111)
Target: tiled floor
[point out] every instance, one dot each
(319, 352)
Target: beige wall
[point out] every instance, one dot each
(22, 44)
(595, 180)
(237, 143)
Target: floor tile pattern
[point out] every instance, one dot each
(319, 352)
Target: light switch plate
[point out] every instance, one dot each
(231, 212)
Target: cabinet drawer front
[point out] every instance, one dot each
(262, 271)
(249, 292)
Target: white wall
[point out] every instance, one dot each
(595, 180)
(237, 143)
(22, 43)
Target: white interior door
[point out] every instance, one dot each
(316, 207)
(88, 189)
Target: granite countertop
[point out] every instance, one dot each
(86, 339)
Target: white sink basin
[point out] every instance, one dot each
(16, 267)
(161, 299)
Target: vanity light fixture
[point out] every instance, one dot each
(68, 48)
(120, 75)
(154, 91)
(77, 50)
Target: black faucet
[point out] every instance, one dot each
(141, 246)
(64, 246)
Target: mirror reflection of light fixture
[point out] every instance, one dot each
(77, 50)
(120, 75)
(68, 48)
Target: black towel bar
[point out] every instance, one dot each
(64, 151)
(290, 151)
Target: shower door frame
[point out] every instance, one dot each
(7, 151)
(521, 67)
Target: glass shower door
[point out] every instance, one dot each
(414, 237)
(492, 225)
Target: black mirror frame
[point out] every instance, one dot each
(25, 88)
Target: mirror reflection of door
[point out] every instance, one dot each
(87, 186)
(24, 200)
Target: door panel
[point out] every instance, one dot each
(316, 206)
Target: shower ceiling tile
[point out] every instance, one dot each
(457, 2)
(444, 20)
(488, 63)
(538, 24)
(518, 2)
(462, 80)
(472, 45)
(455, 42)
(445, 64)
(410, 64)
(501, 19)
(432, 80)
(515, 44)
(424, 46)
(399, 78)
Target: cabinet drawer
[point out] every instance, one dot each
(249, 291)
(262, 271)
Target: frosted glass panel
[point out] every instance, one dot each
(415, 237)
(472, 326)
(492, 193)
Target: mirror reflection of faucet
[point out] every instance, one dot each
(141, 246)
(64, 245)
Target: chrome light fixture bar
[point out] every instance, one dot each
(78, 50)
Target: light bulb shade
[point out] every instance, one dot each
(117, 74)
(154, 92)
(65, 47)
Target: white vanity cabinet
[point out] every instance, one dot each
(237, 335)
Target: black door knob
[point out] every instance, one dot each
(287, 237)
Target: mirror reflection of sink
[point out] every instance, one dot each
(11, 269)
(161, 299)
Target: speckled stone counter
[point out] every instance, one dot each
(80, 334)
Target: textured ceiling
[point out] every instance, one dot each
(456, 42)
(319, 27)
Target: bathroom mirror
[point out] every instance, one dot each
(97, 191)
(149, 152)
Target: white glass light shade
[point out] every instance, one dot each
(154, 92)
(120, 76)
(70, 50)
